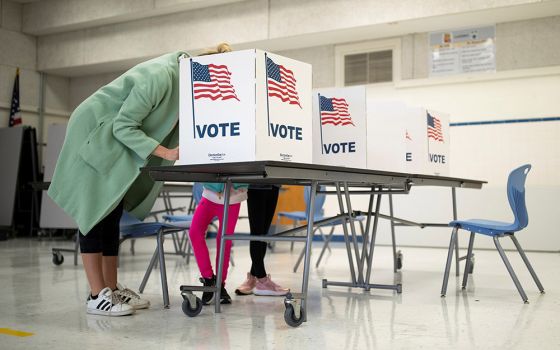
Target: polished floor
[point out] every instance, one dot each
(42, 305)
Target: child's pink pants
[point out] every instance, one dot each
(205, 212)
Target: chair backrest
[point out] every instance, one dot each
(319, 200)
(516, 196)
(197, 192)
(127, 219)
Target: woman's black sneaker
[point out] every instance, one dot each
(208, 297)
(224, 296)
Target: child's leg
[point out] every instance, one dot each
(233, 214)
(203, 215)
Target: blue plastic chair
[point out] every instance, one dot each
(196, 195)
(298, 216)
(496, 230)
(132, 228)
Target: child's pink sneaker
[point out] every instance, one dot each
(265, 286)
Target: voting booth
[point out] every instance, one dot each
(438, 142)
(339, 127)
(244, 106)
(407, 139)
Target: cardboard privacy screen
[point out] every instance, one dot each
(407, 139)
(244, 106)
(339, 127)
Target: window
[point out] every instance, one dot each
(367, 63)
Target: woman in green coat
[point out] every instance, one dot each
(127, 124)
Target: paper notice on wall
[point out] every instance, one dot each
(462, 51)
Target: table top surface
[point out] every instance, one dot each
(301, 174)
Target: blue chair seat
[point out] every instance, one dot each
(485, 227)
(146, 229)
(175, 218)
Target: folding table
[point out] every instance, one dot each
(362, 181)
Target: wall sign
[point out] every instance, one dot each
(463, 51)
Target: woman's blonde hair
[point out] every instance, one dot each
(221, 48)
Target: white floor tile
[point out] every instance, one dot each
(49, 301)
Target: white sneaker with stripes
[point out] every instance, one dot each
(108, 303)
(130, 297)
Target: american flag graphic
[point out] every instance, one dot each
(334, 111)
(407, 136)
(281, 83)
(434, 128)
(212, 81)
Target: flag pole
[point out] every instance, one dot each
(267, 102)
(192, 100)
(427, 136)
(321, 123)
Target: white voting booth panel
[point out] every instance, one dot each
(407, 139)
(244, 106)
(339, 127)
(416, 153)
(395, 138)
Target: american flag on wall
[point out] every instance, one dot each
(281, 83)
(334, 111)
(15, 112)
(434, 128)
(212, 81)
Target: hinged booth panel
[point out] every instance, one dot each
(244, 106)
(339, 127)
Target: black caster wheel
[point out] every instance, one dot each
(324, 283)
(290, 317)
(399, 288)
(57, 259)
(192, 311)
(399, 260)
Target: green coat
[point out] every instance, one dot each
(110, 136)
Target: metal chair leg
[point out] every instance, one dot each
(300, 258)
(148, 271)
(468, 263)
(324, 238)
(188, 249)
(76, 247)
(162, 270)
(448, 263)
(302, 254)
(327, 240)
(527, 263)
(292, 243)
(510, 270)
(457, 265)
